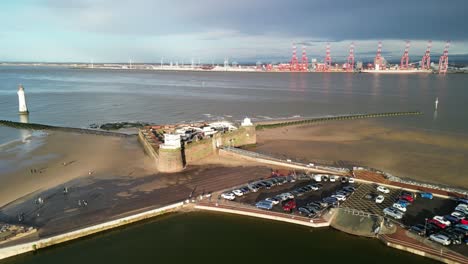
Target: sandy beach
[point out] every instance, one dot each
(410, 153)
(62, 157)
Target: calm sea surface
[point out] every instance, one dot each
(78, 98)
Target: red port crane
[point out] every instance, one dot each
(350, 61)
(304, 60)
(328, 60)
(443, 61)
(294, 62)
(426, 59)
(405, 58)
(378, 61)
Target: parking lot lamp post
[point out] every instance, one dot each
(425, 226)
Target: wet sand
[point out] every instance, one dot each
(62, 157)
(410, 153)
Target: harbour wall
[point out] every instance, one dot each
(34, 126)
(239, 154)
(335, 118)
(54, 240)
(263, 216)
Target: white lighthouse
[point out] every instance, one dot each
(23, 109)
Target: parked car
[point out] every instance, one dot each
(344, 179)
(238, 192)
(453, 220)
(349, 188)
(344, 192)
(383, 189)
(315, 204)
(306, 212)
(418, 229)
(379, 199)
(432, 229)
(245, 189)
(290, 179)
(228, 196)
(318, 178)
(455, 238)
(253, 188)
(403, 203)
(281, 180)
(407, 198)
(426, 195)
(339, 197)
(333, 178)
(462, 226)
(264, 205)
(274, 201)
(437, 223)
(393, 213)
(441, 239)
(458, 215)
(463, 221)
(329, 201)
(351, 180)
(289, 205)
(442, 220)
(313, 187)
(399, 207)
(462, 208)
(408, 193)
(370, 196)
(314, 207)
(463, 200)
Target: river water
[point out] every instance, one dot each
(78, 98)
(218, 238)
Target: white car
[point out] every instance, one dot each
(462, 208)
(393, 213)
(333, 178)
(399, 207)
(458, 215)
(441, 220)
(379, 199)
(228, 196)
(284, 196)
(351, 180)
(274, 201)
(238, 192)
(440, 239)
(339, 197)
(383, 189)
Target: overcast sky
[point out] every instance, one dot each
(210, 30)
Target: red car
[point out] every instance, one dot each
(464, 222)
(289, 205)
(408, 198)
(437, 223)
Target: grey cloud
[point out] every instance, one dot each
(334, 20)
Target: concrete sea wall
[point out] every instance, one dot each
(263, 216)
(50, 241)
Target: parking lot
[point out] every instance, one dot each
(359, 202)
(328, 188)
(416, 213)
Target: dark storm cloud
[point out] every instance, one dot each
(327, 20)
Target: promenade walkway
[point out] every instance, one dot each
(262, 158)
(400, 240)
